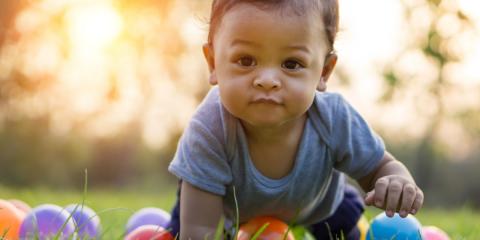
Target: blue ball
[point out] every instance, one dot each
(396, 227)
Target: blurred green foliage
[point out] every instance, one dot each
(446, 181)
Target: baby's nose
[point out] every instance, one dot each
(267, 80)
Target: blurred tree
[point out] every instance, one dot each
(116, 109)
(8, 10)
(435, 27)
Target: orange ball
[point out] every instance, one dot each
(275, 230)
(10, 220)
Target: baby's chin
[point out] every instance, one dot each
(267, 123)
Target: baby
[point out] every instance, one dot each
(269, 140)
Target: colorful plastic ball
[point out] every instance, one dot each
(148, 216)
(19, 204)
(275, 230)
(149, 232)
(45, 222)
(87, 222)
(434, 233)
(10, 220)
(363, 226)
(396, 227)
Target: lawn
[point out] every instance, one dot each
(115, 207)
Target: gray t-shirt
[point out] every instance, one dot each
(213, 155)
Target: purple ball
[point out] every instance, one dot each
(45, 221)
(148, 216)
(87, 221)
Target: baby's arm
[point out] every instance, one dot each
(391, 187)
(200, 213)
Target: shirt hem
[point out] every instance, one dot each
(196, 181)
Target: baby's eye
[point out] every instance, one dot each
(292, 64)
(247, 61)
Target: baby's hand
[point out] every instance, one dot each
(395, 193)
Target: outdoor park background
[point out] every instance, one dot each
(108, 86)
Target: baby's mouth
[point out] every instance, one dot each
(266, 101)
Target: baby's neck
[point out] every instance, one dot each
(273, 150)
(271, 135)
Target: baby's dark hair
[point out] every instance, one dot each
(328, 10)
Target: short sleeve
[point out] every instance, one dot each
(201, 158)
(358, 149)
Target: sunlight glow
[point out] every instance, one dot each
(472, 9)
(93, 25)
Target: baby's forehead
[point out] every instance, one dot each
(305, 10)
(266, 26)
(308, 18)
(250, 15)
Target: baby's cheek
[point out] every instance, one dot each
(302, 102)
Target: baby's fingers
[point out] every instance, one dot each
(417, 204)
(408, 197)
(380, 192)
(369, 198)
(393, 198)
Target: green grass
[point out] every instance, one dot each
(115, 207)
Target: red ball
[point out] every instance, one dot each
(149, 232)
(275, 230)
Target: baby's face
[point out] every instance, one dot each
(268, 63)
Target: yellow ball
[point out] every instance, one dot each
(363, 226)
(10, 220)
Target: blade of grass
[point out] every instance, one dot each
(285, 235)
(237, 217)
(260, 231)
(5, 231)
(329, 231)
(220, 227)
(85, 187)
(60, 231)
(68, 219)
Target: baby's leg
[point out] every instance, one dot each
(344, 219)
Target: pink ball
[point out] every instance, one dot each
(21, 205)
(149, 232)
(434, 233)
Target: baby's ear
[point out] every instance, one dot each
(329, 65)
(210, 58)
